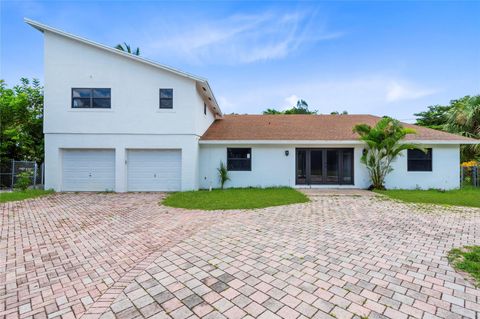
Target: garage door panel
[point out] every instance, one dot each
(88, 170)
(154, 170)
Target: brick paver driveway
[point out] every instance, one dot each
(123, 255)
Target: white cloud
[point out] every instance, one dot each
(290, 101)
(239, 38)
(398, 92)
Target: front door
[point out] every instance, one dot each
(316, 166)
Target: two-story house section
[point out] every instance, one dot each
(116, 121)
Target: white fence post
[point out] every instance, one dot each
(35, 175)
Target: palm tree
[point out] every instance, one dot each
(301, 108)
(383, 147)
(126, 48)
(464, 119)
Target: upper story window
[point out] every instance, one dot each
(91, 98)
(166, 98)
(418, 161)
(205, 108)
(239, 159)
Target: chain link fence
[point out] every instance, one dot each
(470, 176)
(11, 170)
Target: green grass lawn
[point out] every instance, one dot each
(460, 197)
(235, 198)
(466, 259)
(19, 195)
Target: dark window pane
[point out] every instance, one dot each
(239, 152)
(166, 103)
(347, 167)
(239, 159)
(418, 154)
(81, 93)
(419, 161)
(91, 98)
(301, 167)
(238, 165)
(81, 103)
(332, 166)
(316, 166)
(101, 92)
(101, 103)
(419, 166)
(166, 93)
(166, 98)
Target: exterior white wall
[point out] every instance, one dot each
(202, 120)
(270, 167)
(55, 143)
(134, 120)
(134, 93)
(445, 172)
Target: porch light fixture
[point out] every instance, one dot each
(287, 152)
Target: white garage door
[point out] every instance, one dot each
(154, 170)
(88, 170)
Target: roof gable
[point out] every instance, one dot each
(201, 82)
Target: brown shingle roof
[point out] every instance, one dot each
(306, 127)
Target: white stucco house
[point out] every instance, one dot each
(119, 122)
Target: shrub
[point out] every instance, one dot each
(24, 179)
(223, 174)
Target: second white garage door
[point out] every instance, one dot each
(154, 170)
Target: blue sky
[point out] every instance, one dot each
(383, 58)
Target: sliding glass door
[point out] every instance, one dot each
(324, 166)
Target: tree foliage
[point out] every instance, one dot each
(21, 121)
(126, 48)
(272, 112)
(461, 116)
(300, 108)
(435, 117)
(383, 146)
(339, 113)
(24, 180)
(464, 119)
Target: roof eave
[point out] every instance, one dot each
(332, 142)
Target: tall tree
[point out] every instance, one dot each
(300, 108)
(461, 116)
(126, 48)
(382, 147)
(21, 121)
(464, 119)
(435, 117)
